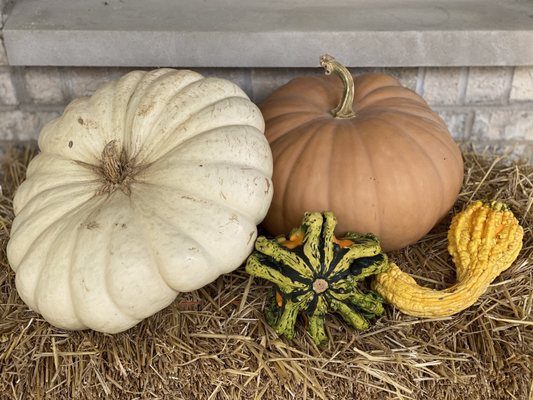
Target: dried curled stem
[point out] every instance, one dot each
(344, 109)
(116, 170)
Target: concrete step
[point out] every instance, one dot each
(260, 33)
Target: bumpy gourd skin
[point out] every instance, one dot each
(314, 272)
(483, 241)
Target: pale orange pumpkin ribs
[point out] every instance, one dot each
(366, 148)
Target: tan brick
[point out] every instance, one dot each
(522, 87)
(513, 151)
(84, 81)
(240, 76)
(488, 85)
(44, 85)
(3, 54)
(408, 77)
(455, 121)
(23, 125)
(442, 86)
(266, 80)
(7, 90)
(3, 4)
(503, 125)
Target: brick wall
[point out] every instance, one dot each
(490, 107)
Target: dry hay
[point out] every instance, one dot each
(214, 343)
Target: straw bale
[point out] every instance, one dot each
(214, 343)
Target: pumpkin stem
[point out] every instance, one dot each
(112, 167)
(344, 110)
(116, 170)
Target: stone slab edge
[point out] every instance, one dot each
(254, 33)
(268, 49)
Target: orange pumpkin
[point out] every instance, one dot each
(368, 149)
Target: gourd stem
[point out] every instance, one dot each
(344, 110)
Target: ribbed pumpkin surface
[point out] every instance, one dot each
(152, 186)
(393, 169)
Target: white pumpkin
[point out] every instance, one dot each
(152, 186)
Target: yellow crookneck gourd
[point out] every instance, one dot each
(483, 241)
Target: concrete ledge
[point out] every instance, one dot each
(253, 33)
